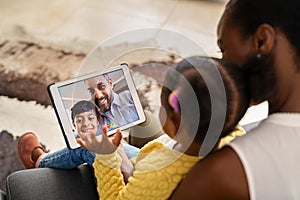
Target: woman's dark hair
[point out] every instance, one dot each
(193, 69)
(281, 14)
(83, 106)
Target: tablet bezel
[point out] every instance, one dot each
(62, 115)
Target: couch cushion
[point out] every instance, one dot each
(45, 183)
(2, 195)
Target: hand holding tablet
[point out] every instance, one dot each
(101, 98)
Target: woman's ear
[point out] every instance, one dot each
(264, 38)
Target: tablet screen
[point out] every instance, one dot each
(88, 102)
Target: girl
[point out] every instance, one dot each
(187, 111)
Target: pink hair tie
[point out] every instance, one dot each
(173, 101)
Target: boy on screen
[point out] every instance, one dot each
(85, 117)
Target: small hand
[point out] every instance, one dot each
(100, 145)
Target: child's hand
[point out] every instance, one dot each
(100, 145)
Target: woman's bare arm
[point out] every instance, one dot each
(218, 176)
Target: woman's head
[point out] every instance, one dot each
(196, 77)
(262, 37)
(283, 15)
(85, 116)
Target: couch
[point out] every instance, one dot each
(56, 184)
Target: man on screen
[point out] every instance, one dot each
(115, 109)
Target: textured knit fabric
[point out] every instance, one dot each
(270, 155)
(158, 170)
(239, 131)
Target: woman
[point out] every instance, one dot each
(262, 36)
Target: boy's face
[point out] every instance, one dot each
(86, 122)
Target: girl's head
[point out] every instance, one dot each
(85, 117)
(190, 79)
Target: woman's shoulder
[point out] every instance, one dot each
(222, 169)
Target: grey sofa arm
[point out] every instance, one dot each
(2, 195)
(45, 183)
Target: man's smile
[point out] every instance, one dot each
(102, 100)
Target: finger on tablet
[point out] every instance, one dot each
(79, 133)
(86, 135)
(80, 141)
(104, 130)
(117, 138)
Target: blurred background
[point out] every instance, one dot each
(47, 41)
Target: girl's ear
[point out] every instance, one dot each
(172, 124)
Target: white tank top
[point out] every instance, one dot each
(270, 154)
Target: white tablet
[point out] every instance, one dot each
(87, 102)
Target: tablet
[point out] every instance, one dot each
(87, 102)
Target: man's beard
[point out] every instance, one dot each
(262, 81)
(103, 108)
